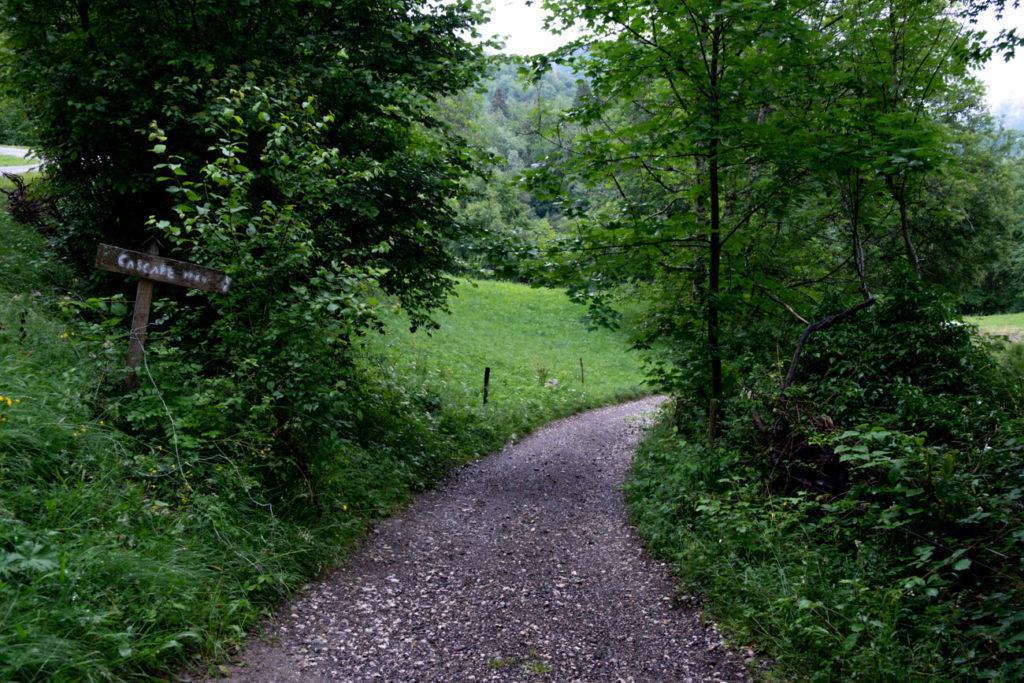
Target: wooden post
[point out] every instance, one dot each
(487, 381)
(140, 322)
(583, 383)
(150, 268)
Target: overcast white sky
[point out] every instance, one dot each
(522, 26)
(1005, 80)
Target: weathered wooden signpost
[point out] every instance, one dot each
(150, 269)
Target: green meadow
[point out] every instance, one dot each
(1009, 324)
(533, 340)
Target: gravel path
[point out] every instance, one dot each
(521, 568)
(17, 152)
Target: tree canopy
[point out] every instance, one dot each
(767, 162)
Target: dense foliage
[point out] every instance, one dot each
(295, 146)
(912, 570)
(732, 185)
(510, 224)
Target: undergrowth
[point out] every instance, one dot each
(913, 569)
(138, 532)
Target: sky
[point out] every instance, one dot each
(1004, 80)
(522, 26)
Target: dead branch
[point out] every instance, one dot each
(820, 325)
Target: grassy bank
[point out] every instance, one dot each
(124, 551)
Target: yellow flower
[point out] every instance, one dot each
(345, 508)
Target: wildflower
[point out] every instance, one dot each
(344, 508)
(159, 448)
(9, 400)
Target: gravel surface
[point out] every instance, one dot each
(17, 152)
(521, 568)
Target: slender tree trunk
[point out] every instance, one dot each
(714, 242)
(899, 194)
(714, 268)
(851, 202)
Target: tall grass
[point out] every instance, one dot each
(120, 560)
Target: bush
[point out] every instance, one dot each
(910, 571)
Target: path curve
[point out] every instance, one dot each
(521, 568)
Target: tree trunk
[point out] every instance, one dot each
(714, 243)
(899, 194)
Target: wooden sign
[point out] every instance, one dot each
(151, 268)
(160, 269)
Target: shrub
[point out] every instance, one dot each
(911, 570)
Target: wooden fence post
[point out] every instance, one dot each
(140, 322)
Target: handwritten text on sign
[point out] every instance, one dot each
(161, 269)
